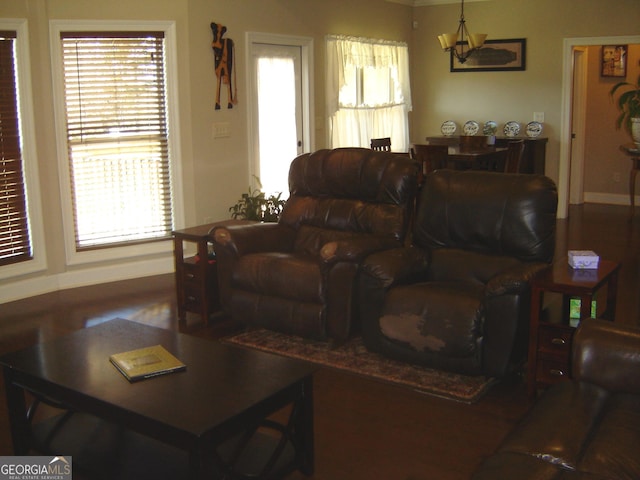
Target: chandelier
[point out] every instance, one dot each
(462, 50)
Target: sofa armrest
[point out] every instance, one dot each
(355, 249)
(381, 271)
(607, 354)
(255, 237)
(514, 280)
(397, 265)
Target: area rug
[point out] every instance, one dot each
(353, 357)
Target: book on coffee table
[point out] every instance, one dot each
(146, 363)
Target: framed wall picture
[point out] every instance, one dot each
(614, 61)
(495, 55)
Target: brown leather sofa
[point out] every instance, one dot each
(585, 428)
(458, 298)
(298, 276)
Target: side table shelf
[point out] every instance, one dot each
(550, 338)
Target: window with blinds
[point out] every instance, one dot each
(117, 137)
(15, 243)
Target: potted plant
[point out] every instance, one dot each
(256, 205)
(628, 103)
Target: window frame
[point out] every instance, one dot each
(340, 54)
(125, 251)
(38, 262)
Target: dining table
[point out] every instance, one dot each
(487, 157)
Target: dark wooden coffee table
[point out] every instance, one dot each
(226, 398)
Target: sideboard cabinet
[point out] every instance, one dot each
(533, 158)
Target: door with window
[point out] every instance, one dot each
(280, 113)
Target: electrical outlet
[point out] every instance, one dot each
(538, 117)
(616, 177)
(208, 219)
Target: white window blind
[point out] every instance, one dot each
(15, 244)
(117, 137)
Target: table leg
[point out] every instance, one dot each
(612, 295)
(16, 406)
(304, 428)
(585, 306)
(536, 309)
(178, 254)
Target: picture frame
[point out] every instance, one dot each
(614, 61)
(494, 56)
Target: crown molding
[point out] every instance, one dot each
(428, 3)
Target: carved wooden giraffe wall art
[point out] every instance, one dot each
(223, 51)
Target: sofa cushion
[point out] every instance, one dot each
(298, 277)
(454, 264)
(441, 321)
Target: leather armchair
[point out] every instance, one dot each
(584, 428)
(458, 298)
(298, 276)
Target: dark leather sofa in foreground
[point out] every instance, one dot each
(586, 428)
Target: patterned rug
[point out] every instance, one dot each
(353, 357)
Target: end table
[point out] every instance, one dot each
(550, 339)
(196, 276)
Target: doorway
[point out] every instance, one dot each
(568, 163)
(280, 109)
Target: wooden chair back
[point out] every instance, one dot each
(514, 156)
(381, 144)
(431, 157)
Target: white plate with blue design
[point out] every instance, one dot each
(471, 127)
(534, 129)
(448, 128)
(511, 129)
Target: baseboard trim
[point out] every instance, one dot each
(82, 278)
(609, 198)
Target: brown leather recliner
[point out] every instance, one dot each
(584, 428)
(297, 276)
(458, 298)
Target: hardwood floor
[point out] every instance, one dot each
(364, 429)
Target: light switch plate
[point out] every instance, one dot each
(221, 130)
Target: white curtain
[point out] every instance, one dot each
(368, 91)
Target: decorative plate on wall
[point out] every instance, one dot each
(511, 129)
(448, 128)
(471, 127)
(533, 129)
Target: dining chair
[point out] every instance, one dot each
(431, 157)
(514, 156)
(381, 144)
